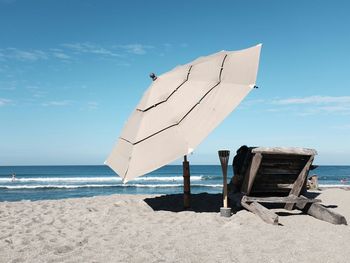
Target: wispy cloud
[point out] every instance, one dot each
(167, 45)
(303, 106)
(317, 104)
(90, 48)
(69, 51)
(57, 103)
(343, 109)
(4, 102)
(313, 100)
(61, 55)
(92, 105)
(32, 55)
(8, 85)
(24, 55)
(36, 92)
(137, 49)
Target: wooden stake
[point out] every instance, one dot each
(187, 183)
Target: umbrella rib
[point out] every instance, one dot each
(171, 94)
(222, 64)
(170, 126)
(151, 134)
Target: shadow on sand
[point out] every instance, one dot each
(200, 203)
(205, 202)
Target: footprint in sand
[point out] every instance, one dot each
(18, 260)
(63, 249)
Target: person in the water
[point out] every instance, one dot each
(13, 177)
(344, 180)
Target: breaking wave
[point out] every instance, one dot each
(14, 187)
(99, 179)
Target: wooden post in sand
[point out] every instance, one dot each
(187, 183)
(224, 156)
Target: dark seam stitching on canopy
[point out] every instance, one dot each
(171, 94)
(222, 66)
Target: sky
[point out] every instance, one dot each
(72, 71)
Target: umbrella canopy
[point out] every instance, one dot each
(180, 109)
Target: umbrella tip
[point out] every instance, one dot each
(153, 76)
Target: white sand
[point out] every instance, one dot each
(124, 228)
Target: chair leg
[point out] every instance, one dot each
(322, 213)
(261, 211)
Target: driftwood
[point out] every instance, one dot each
(264, 213)
(320, 212)
(281, 199)
(276, 175)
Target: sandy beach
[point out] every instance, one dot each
(126, 228)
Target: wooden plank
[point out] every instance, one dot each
(279, 170)
(287, 163)
(275, 179)
(273, 185)
(251, 173)
(286, 157)
(259, 185)
(272, 192)
(300, 182)
(322, 213)
(277, 199)
(261, 211)
(286, 166)
(285, 150)
(269, 183)
(264, 188)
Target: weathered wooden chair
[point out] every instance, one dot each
(279, 175)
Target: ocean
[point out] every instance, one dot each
(57, 182)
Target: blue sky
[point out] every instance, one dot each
(72, 71)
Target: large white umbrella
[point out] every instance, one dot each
(180, 109)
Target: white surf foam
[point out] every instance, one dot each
(334, 185)
(97, 179)
(18, 187)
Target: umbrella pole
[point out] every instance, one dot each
(187, 183)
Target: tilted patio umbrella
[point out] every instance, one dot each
(180, 109)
